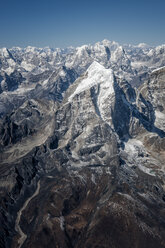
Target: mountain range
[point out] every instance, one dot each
(82, 141)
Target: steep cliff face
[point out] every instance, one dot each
(153, 91)
(87, 172)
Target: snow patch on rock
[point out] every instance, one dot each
(158, 69)
(62, 223)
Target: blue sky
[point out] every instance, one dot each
(70, 22)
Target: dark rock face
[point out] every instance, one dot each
(11, 83)
(87, 172)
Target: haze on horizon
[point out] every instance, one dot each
(74, 23)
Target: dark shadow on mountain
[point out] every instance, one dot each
(56, 85)
(121, 114)
(150, 124)
(94, 96)
(124, 109)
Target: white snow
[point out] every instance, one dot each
(97, 74)
(146, 170)
(106, 95)
(93, 179)
(27, 66)
(158, 69)
(142, 45)
(9, 70)
(4, 52)
(11, 62)
(160, 120)
(22, 89)
(62, 223)
(45, 81)
(32, 49)
(108, 171)
(159, 115)
(138, 64)
(103, 80)
(128, 197)
(131, 146)
(81, 50)
(62, 73)
(117, 54)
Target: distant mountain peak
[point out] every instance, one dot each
(4, 51)
(142, 45)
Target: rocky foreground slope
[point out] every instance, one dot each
(87, 171)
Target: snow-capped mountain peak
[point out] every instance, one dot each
(142, 45)
(96, 74)
(4, 51)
